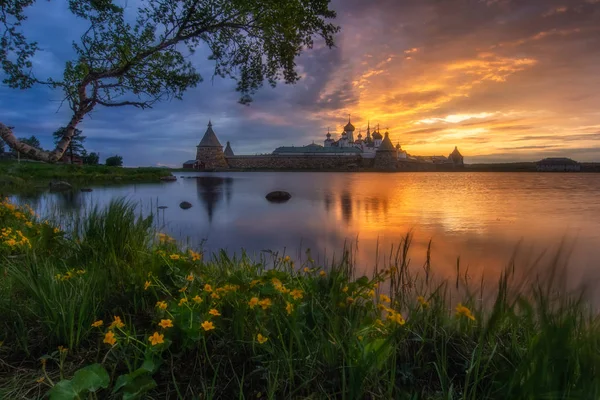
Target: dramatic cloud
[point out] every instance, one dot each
(504, 80)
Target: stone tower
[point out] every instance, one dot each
(385, 157)
(210, 151)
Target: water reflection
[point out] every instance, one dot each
(210, 191)
(477, 217)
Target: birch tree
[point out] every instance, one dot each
(121, 63)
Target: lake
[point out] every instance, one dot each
(483, 218)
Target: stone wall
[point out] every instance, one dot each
(211, 157)
(314, 162)
(385, 160)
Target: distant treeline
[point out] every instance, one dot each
(522, 167)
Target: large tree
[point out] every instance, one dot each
(75, 146)
(122, 63)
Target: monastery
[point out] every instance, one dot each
(374, 151)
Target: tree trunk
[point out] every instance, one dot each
(37, 154)
(71, 151)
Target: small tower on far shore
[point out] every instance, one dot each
(210, 151)
(385, 156)
(228, 151)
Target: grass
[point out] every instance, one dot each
(30, 175)
(113, 309)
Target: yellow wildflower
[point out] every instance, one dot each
(296, 294)
(462, 310)
(261, 339)
(379, 322)
(265, 303)
(147, 284)
(424, 303)
(157, 338)
(207, 325)
(80, 271)
(384, 299)
(254, 282)
(98, 323)
(166, 323)
(286, 259)
(29, 224)
(208, 288)
(371, 293)
(174, 256)
(276, 282)
(183, 289)
(214, 312)
(322, 273)
(62, 349)
(189, 278)
(253, 302)
(117, 323)
(109, 338)
(349, 300)
(360, 338)
(215, 295)
(11, 242)
(161, 304)
(289, 308)
(397, 317)
(345, 289)
(56, 230)
(307, 270)
(195, 256)
(182, 301)
(197, 299)
(40, 380)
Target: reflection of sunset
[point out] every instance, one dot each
(477, 217)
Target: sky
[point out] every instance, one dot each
(504, 80)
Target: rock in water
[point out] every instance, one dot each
(185, 205)
(278, 196)
(60, 185)
(169, 178)
(86, 189)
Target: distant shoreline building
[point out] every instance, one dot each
(558, 165)
(375, 151)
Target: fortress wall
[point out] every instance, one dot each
(274, 161)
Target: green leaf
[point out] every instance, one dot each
(63, 390)
(85, 380)
(90, 378)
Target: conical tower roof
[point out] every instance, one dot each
(386, 144)
(228, 151)
(210, 139)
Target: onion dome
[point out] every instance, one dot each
(349, 127)
(360, 136)
(210, 139)
(397, 146)
(377, 135)
(386, 145)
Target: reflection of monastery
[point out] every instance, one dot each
(374, 151)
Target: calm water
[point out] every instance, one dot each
(479, 217)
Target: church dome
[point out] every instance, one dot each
(349, 127)
(377, 135)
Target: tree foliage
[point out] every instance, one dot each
(75, 146)
(137, 63)
(114, 161)
(91, 159)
